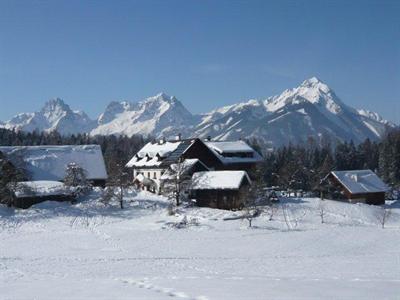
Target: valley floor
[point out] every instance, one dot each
(88, 251)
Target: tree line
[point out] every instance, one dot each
(303, 166)
(293, 166)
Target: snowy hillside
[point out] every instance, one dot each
(309, 110)
(88, 251)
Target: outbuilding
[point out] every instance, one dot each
(220, 189)
(28, 193)
(356, 186)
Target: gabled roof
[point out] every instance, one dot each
(155, 154)
(50, 162)
(179, 151)
(360, 181)
(219, 180)
(233, 152)
(187, 167)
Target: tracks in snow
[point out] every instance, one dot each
(145, 284)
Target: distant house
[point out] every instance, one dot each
(28, 193)
(156, 157)
(234, 155)
(220, 189)
(356, 186)
(49, 163)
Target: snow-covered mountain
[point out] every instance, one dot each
(309, 110)
(160, 115)
(55, 115)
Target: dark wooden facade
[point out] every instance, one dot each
(200, 151)
(222, 198)
(98, 182)
(203, 153)
(368, 198)
(26, 202)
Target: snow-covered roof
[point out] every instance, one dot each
(41, 188)
(217, 180)
(152, 153)
(50, 162)
(185, 167)
(230, 146)
(231, 152)
(156, 148)
(360, 181)
(144, 162)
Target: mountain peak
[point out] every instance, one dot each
(311, 81)
(55, 104)
(162, 95)
(160, 98)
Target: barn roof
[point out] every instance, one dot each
(219, 180)
(360, 181)
(50, 162)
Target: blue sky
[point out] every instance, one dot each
(206, 53)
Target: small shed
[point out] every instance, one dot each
(220, 189)
(28, 193)
(358, 186)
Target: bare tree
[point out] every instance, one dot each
(76, 178)
(321, 210)
(118, 184)
(251, 210)
(271, 210)
(382, 215)
(177, 183)
(75, 175)
(107, 195)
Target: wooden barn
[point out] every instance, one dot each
(355, 186)
(220, 189)
(234, 155)
(28, 193)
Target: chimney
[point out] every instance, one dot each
(178, 137)
(355, 177)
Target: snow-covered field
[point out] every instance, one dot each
(88, 251)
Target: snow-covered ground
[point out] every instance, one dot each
(88, 251)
